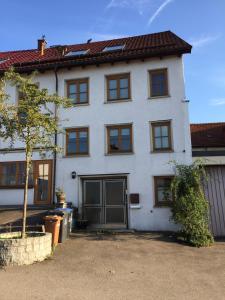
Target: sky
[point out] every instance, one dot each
(199, 22)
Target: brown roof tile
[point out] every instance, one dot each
(208, 135)
(149, 45)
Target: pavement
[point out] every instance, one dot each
(120, 266)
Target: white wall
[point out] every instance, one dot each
(142, 165)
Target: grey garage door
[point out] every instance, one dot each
(214, 190)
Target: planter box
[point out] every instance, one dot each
(16, 251)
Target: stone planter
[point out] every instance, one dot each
(16, 251)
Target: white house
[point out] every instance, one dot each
(129, 120)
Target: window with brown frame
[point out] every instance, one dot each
(158, 83)
(118, 87)
(77, 141)
(20, 94)
(12, 175)
(77, 91)
(20, 97)
(161, 136)
(163, 194)
(119, 138)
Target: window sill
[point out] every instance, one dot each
(117, 101)
(162, 151)
(15, 187)
(76, 155)
(119, 153)
(78, 104)
(159, 97)
(163, 205)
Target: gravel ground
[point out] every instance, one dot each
(119, 267)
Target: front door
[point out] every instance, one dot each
(104, 202)
(42, 182)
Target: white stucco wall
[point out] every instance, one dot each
(142, 165)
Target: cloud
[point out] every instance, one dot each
(217, 101)
(203, 40)
(159, 10)
(138, 5)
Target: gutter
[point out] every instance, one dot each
(56, 137)
(68, 62)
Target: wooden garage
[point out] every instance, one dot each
(214, 190)
(208, 143)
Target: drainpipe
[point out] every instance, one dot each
(56, 137)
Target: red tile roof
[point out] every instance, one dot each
(208, 135)
(144, 46)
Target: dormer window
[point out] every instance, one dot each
(77, 53)
(113, 48)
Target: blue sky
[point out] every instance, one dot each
(200, 22)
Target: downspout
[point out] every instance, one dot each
(56, 137)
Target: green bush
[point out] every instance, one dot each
(190, 208)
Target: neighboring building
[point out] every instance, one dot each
(208, 143)
(129, 120)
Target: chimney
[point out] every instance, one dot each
(42, 44)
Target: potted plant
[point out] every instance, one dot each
(60, 195)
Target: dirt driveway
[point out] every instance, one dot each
(119, 267)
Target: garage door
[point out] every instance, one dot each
(214, 190)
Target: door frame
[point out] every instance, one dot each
(35, 175)
(106, 177)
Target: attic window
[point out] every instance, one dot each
(77, 53)
(113, 48)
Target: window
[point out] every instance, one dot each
(77, 91)
(119, 138)
(113, 48)
(158, 83)
(118, 87)
(163, 194)
(3, 60)
(77, 141)
(12, 175)
(77, 53)
(161, 135)
(20, 95)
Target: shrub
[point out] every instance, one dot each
(190, 208)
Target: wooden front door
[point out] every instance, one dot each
(43, 182)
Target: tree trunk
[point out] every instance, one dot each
(28, 159)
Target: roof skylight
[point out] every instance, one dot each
(2, 60)
(77, 52)
(113, 48)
